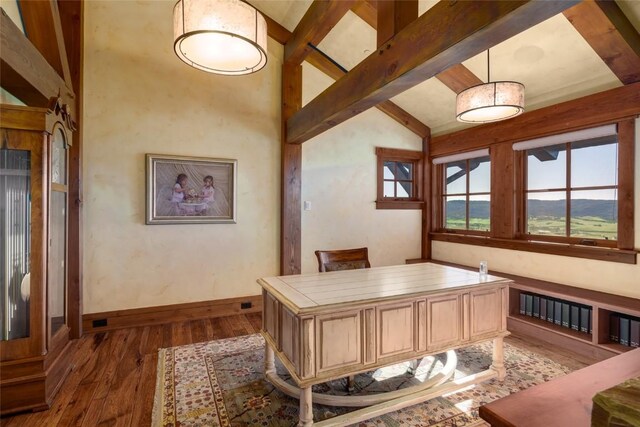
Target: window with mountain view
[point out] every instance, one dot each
(466, 195)
(571, 191)
(399, 179)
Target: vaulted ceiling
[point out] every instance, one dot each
(552, 59)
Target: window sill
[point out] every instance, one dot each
(564, 249)
(399, 204)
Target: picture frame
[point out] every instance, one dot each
(190, 190)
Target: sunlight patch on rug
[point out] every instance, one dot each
(221, 383)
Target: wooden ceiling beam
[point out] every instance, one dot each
(277, 31)
(447, 34)
(333, 70)
(404, 118)
(325, 64)
(608, 31)
(71, 20)
(43, 28)
(316, 23)
(24, 72)
(457, 78)
(393, 16)
(367, 11)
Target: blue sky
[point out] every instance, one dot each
(591, 166)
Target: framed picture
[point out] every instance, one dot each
(190, 190)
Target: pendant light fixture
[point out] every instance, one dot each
(491, 101)
(220, 36)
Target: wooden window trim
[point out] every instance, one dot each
(565, 249)
(441, 195)
(398, 155)
(621, 251)
(568, 189)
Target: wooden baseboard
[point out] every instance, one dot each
(106, 321)
(416, 260)
(523, 328)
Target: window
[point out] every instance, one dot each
(466, 192)
(568, 194)
(571, 191)
(399, 179)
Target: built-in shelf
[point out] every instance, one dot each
(596, 344)
(552, 327)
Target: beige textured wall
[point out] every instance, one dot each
(339, 179)
(615, 278)
(139, 98)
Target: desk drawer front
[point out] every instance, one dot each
(339, 340)
(270, 316)
(395, 329)
(444, 318)
(486, 312)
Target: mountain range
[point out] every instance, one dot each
(605, 209)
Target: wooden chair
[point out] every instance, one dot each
(343, 259)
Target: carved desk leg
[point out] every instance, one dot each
(498, 358)
(351, 383)
(306, 408)
(269, 360)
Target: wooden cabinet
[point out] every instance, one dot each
(35, 348)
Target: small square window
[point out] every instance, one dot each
(399, 175)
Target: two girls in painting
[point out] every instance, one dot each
(190, 202)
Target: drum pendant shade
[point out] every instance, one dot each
(226, 37)
(490, 102)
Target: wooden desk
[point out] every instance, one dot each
(324, 326)
(564, 401)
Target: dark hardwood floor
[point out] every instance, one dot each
(113, 379)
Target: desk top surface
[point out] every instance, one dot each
(306, 292)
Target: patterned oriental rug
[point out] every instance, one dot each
(221, 383)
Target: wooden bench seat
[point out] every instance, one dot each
(564, 401)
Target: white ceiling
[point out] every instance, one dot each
(551, 59)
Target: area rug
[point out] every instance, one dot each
(221, 383)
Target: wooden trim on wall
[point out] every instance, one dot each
(290, 212)
(71, 16)
(158, 315)
(564, 249)
(601, 108)
(626, 166)
(502, 191)
(399, 204)
(425, 240)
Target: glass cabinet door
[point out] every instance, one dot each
(15, 243)
(57, 277)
